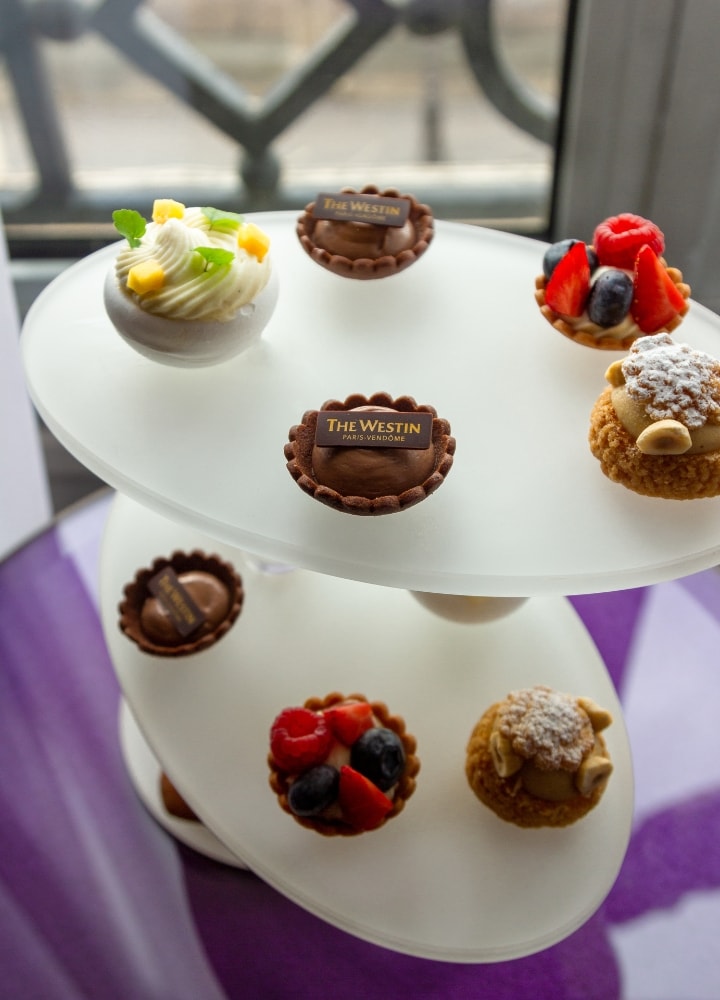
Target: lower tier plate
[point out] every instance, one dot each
(145, 771)
(446, 879)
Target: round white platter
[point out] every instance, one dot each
(446, 879)
(145, 771)
(525, 509)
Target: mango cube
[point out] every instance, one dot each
(166, 208)
(147, 276)
(252, 239)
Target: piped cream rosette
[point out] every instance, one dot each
(196, 288)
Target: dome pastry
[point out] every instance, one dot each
(656, 428)
(538, 758)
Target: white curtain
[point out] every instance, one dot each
(24, 494)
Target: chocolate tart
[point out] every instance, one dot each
(365, 250)
(301, 443)
(592, 335)
(280, 780)
(212, 584)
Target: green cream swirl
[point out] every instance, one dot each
(194, 289)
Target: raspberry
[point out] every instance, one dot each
(619, 239)
(299, 739)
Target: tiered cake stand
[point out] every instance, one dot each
(197, 459)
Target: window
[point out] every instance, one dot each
(259, 105)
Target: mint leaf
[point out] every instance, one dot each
(130, 224)
(222, 220)
(216, 255)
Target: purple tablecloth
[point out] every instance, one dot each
(97, 901)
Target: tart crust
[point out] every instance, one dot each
(670, 477)
(298, 452)
(136, 592)
(280, 781)
(518, 806)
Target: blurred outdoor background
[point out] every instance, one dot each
(256, 105)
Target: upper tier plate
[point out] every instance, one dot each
(525, 509)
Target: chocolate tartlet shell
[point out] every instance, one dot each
(518, 806)
(298, 452)
(669, 477)
(136, 593)
(602, 339)
(173, 801)
(280, 781)
(366, 268)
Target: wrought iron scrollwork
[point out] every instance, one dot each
(254, 124)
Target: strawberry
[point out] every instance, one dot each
(619, 239)
(364, 806)
(349, 721)
(656, 299)
(299, 739)
(567, 290)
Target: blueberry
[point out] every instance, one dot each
(555, 253)
(610, 298)
(314, 790)
(379, 755)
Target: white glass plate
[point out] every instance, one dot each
(145, 771)
(525, 509)
(446, 879)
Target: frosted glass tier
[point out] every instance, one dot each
(525, 509)
(445, 879)
(145, 771)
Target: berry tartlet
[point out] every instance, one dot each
(656, 428)
(370, 455)
(607, 293)
(537, 758)
(181, 604)
(365, 234)
(341, 765)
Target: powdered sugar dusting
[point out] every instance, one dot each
(547, 727)
(673, 381)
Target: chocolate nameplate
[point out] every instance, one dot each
(372, 208)
(373, 429)
(186, 616)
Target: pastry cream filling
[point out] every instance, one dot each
(194, 288)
